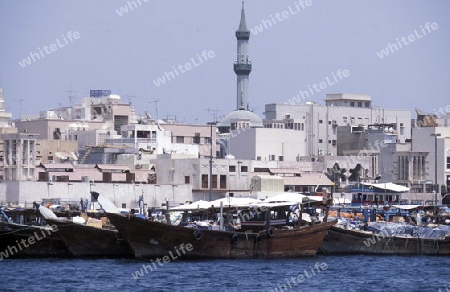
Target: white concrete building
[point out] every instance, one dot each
(267, 144)
(19, 157)
(424, 140)
(319, 122)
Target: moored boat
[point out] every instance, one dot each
(265, 240)
(340, 240)
(88, 241)
(20, 240)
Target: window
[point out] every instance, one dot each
(179, 139)
(352, 103)
(280, 158)
(367, 104)
(232, 168)
(204, 181)
(359, 104)
(320, 121)
(214, 181)
(244, 168)
(448, 162)
(124, 205)
(187, 179)
(333, 142)
(196, 139)
(223, 181)
(320, 140)
(207, 140)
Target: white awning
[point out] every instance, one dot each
(388, 186)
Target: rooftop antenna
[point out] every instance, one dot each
(215, 112)
(129, 97)
(156, 107)
(71, 96)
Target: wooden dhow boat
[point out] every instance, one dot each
(21, 240)
(270, 237)
(87, 241)
(416, 240)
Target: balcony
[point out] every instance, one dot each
(242, 69)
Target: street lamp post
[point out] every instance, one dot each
(210, 160)
(435, 170)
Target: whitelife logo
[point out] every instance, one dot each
(131, 5)
(195, 62)
(184, 248)
(279, 17)
(49, 49)
(429, 27)
(11, 250)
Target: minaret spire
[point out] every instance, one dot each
(242, 66)
(242, 24)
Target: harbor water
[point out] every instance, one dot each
(319, 273)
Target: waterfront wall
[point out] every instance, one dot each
(23, 193)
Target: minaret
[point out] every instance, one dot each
(242, 66)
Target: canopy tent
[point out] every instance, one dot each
(406, 207)
(297, 198)
(283, 199)
(193, 206)
(387, 186)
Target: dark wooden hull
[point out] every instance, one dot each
(343, 241)
(153, 239)
(88, 241)
(46, 243)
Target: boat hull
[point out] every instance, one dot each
(88, 241)
(46, 243)
(155, 239)
(344, 241)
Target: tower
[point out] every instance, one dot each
(242, 66)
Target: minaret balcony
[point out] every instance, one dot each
(242, 69)
(242, 35)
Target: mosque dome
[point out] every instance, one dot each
(240, 116)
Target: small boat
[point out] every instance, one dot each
(387, 239)
(21, 240)
(150, 239)
(87, 241)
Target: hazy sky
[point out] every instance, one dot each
(127, 53)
